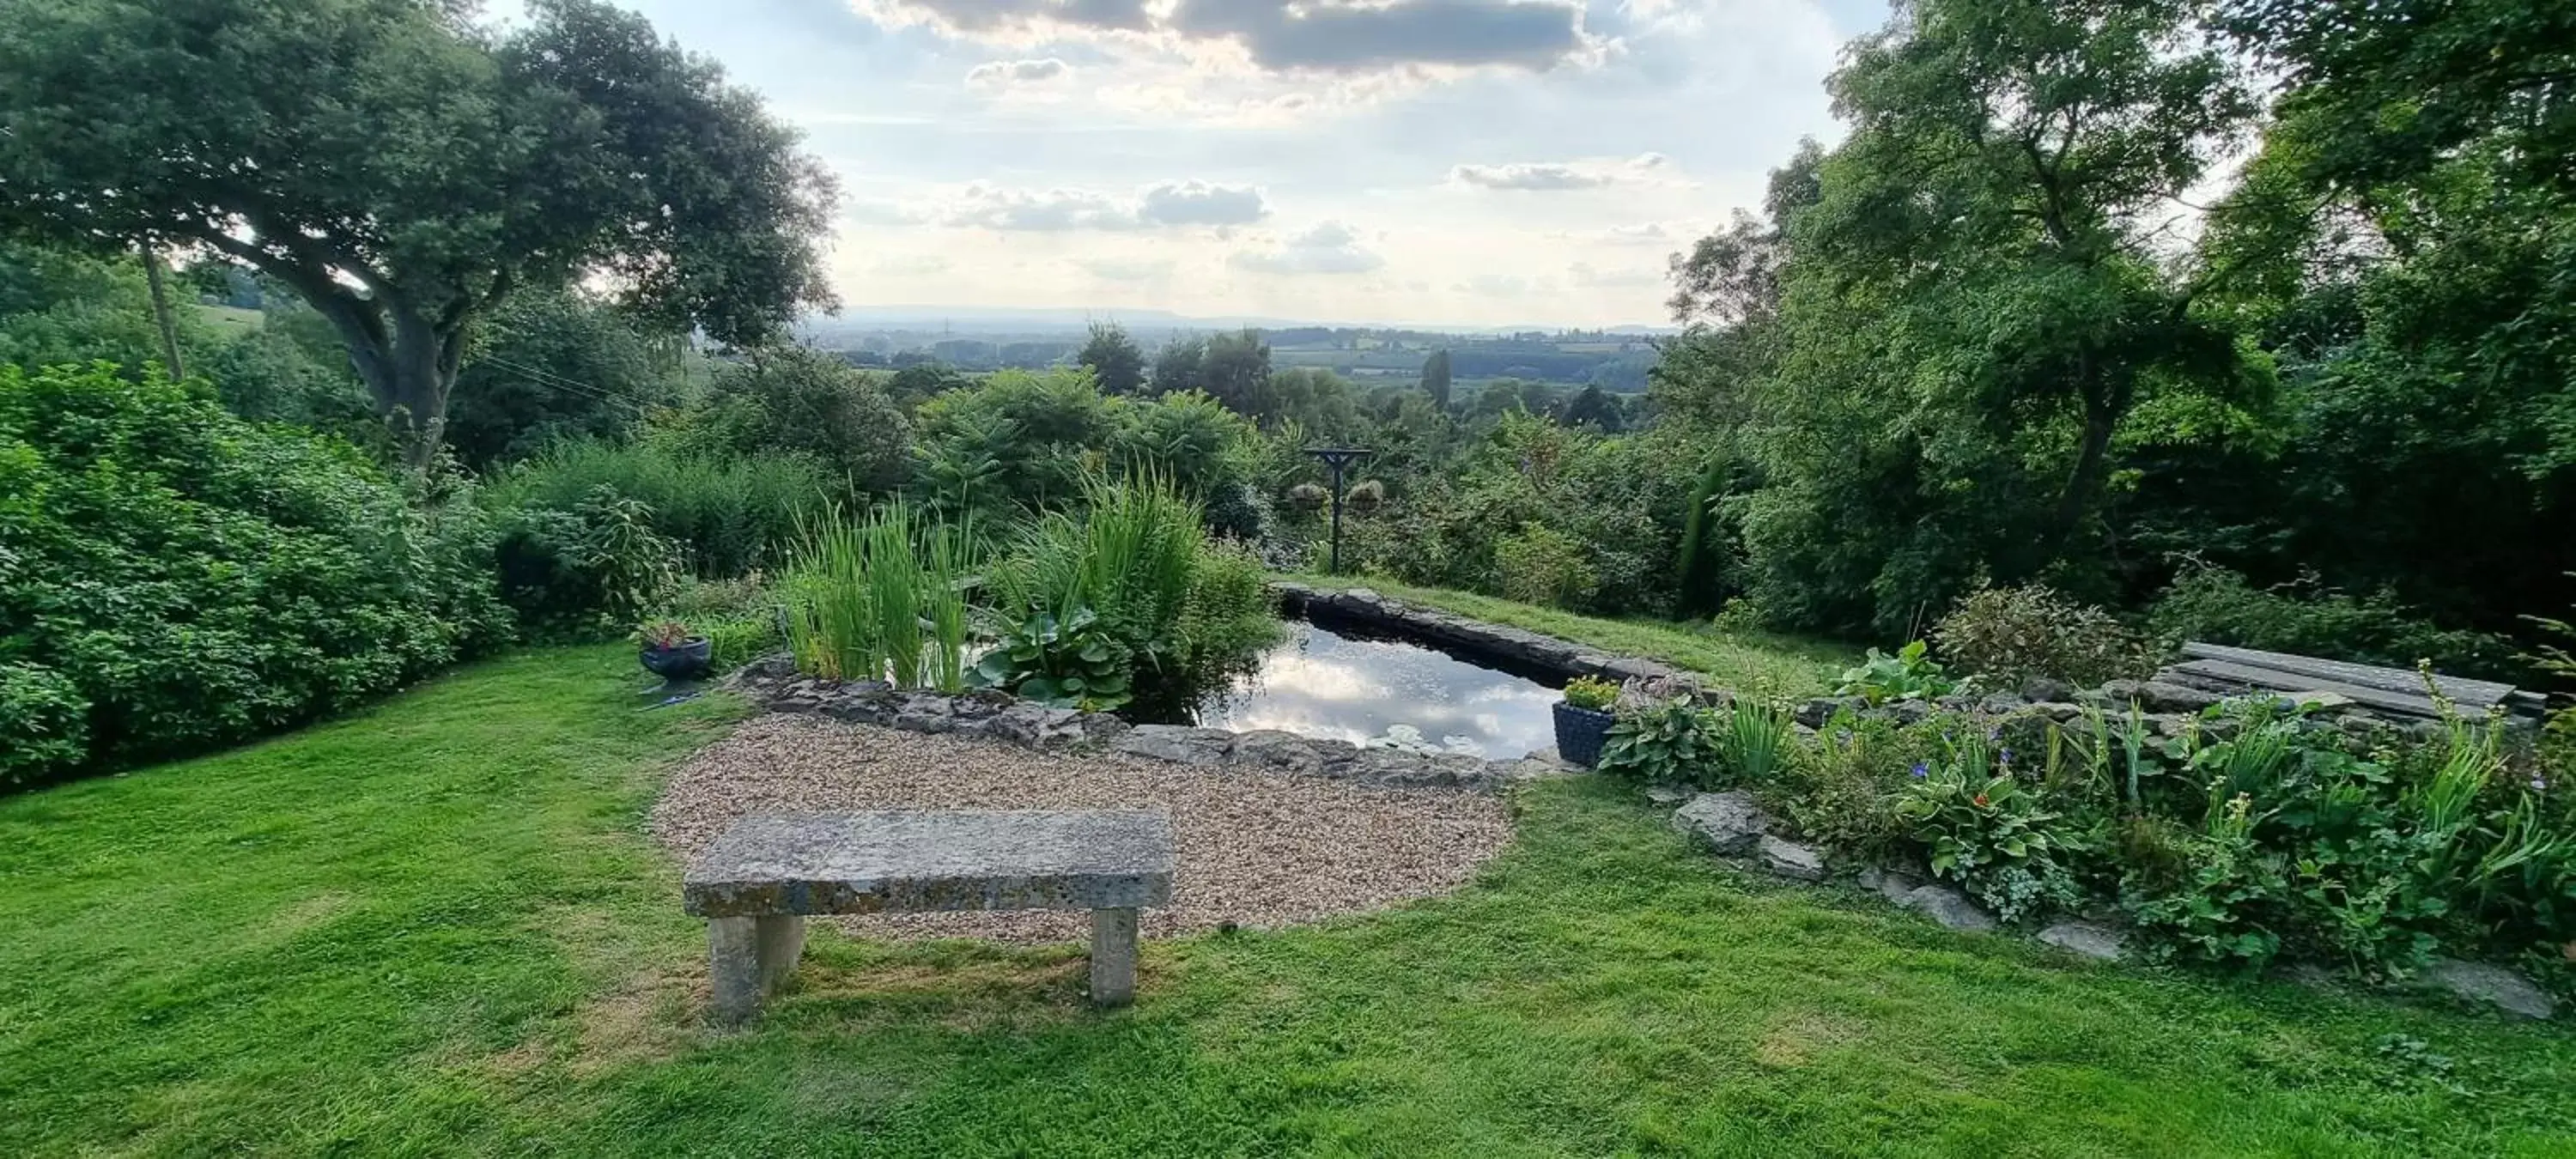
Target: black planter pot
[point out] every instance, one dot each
(686, 660)
(1579, 733)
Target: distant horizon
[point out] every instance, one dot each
(987, 316)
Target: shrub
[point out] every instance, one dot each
(1230, 610)
(1543, 566)
(587, 572)
(1990, 832)
(734, 515)
(175, 578)
(1670, 743)
(2217, 606)
(1911, 674)
(2009, 635)
(1842, 789)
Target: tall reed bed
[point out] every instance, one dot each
(882, 597)
(735, 514)
(1128, 554)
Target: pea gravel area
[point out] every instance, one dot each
(1252, 848)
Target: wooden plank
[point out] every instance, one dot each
(2466, 693)
(2275, 680)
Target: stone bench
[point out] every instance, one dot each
(758, 882)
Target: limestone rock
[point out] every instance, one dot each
(1273, 749)
(2481, 982)
(1892, 884)
(1173, 742)
(2084, 938)
(1669, 794)
(1790, 859)
(1729, 823)
(1951, 908)
(2157, 696)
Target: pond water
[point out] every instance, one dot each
(1331, 680)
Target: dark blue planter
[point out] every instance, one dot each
(1579, 733)
(686, 660)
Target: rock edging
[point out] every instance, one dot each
(774, 684)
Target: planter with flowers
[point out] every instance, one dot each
(671, 652)
(1583, 719)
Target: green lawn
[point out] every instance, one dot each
(437, 928)
(1770, 664)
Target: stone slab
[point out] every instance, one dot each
(913, 861)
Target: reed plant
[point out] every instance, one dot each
(882, 597)
(1128, 554)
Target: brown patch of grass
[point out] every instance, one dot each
(1794, 1039)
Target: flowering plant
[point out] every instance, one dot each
(1987, 830)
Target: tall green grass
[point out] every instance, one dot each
(1128, 554)
(882, 597)
(736, 514)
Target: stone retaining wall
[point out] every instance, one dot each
(774, 684)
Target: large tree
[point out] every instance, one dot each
(1985, 283)
(405, 169)
(1114, 358)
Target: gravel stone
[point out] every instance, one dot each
(1253, 847)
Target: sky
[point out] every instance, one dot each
(1433, 162)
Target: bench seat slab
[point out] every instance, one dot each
(907, 861)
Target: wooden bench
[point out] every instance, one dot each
(2395, 691)
(759, 882)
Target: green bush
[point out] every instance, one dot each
(172, 577)
(743, 618)
(1543, 566)
(2216, 606)
(1675, 742)
(1911, 674)
(733, 515)
(2006, 636)
(1990, 829)
(588, 572)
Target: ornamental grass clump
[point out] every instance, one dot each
(882, 597)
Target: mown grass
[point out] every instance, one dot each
(1765, 663)
(437, 928)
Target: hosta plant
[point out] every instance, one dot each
(1071, 662)
(1672, 742)
(1911, 674)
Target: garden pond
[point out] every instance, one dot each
(1331, 678)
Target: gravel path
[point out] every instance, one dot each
(1253, 848)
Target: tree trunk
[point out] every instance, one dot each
(408, 363)
(2092, 465)
(161, 312)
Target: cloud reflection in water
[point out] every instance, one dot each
(1324, 684)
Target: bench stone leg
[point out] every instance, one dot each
(749, 957)
(782, 942)
(1113, 957)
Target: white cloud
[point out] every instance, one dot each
(1328, 248)
(1170, 204)
(1199, 203)
(1556, 175)
(987, 207)
(998, 73)
(1586, 275)
(1276, 35)
(1122, 270)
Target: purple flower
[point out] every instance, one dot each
(2008, 756)
(1920, 770)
